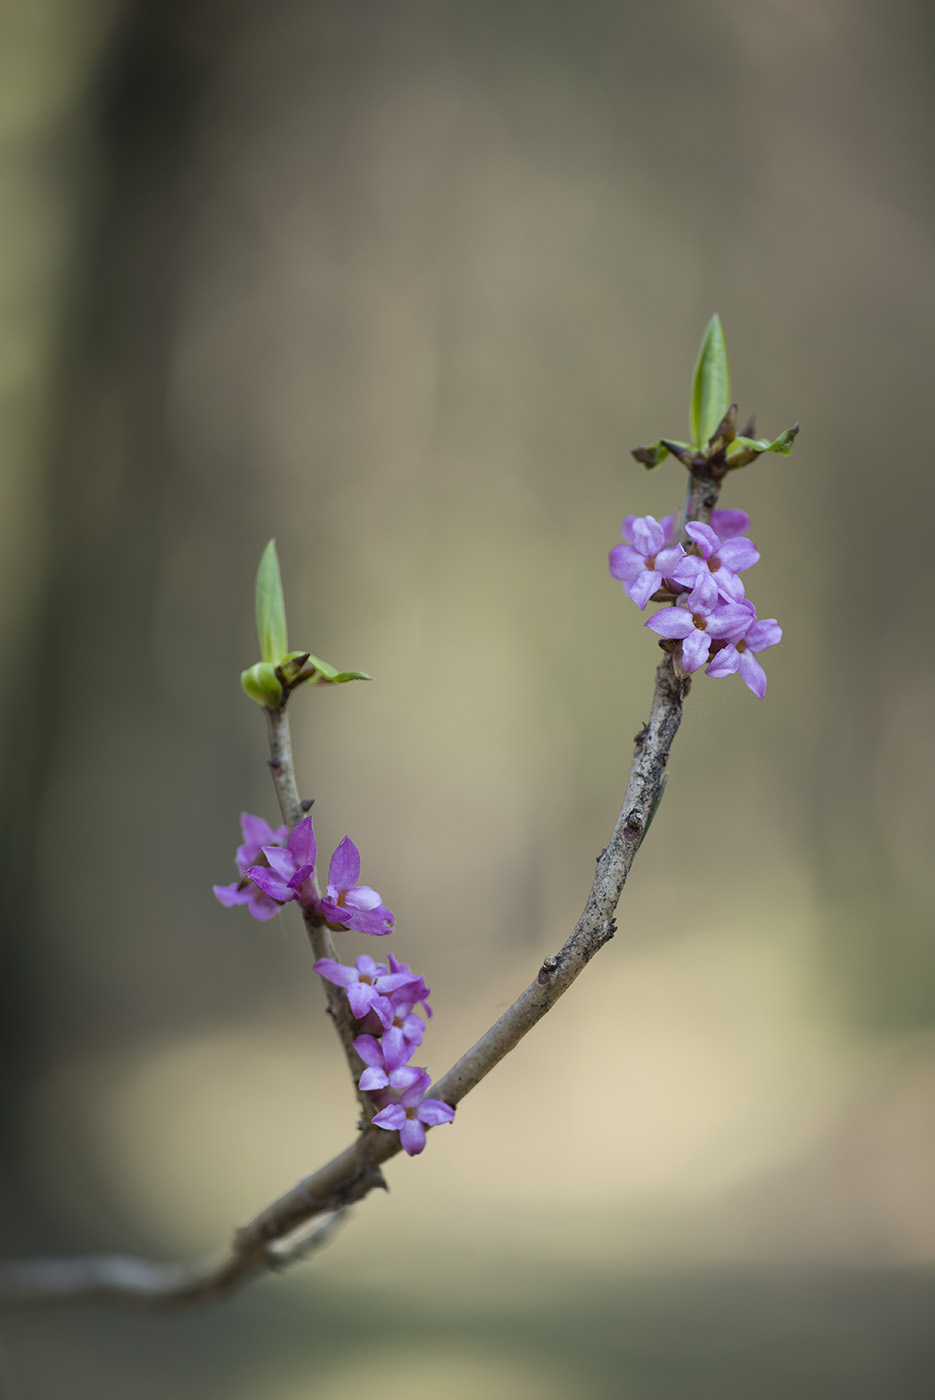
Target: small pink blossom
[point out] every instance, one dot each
(413, 1113)
(346, 902)
(702, 619)
(738, 654)
(289, 873)
(367, 983)
(256, 834)
(642, 565)
(722, 559)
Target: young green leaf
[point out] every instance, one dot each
(327, 675)
(270, 608)
(261, 685)
(711, 385)
(745, 449)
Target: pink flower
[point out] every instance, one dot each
(348, 903)
(738, 655)
(382, 1059)
(413, 1113)
(368, 982)
(256, 834)
(288, 874)
(642, 565)
(702, 620)
(723, 560)
(402, 1028)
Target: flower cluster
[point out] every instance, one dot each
(383, 998)
(278, 866)
(710, 616)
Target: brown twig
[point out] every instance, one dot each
(282, 769)
(267, 1241)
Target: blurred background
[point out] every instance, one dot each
(401, 283)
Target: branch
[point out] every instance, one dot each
(267, 1241)
(127, 1279)
(282, 769)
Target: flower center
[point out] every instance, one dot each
(741, 645)
(651, 562)
(714, 563)
(700, 622)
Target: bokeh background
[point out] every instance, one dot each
(400, 283)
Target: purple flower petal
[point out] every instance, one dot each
(695, 648)
(344, 870)
(367, 967)
(671, 622)
(301, 875)
(643, 587)
(412, 1136)
(704, 537)
(647, 535)
(626, 563)
(728, 585)
(729, 523)
(280, 861)
(361, 897)
(763, 633)
(361, 997)
(688, 570)
(704, 596)
(731, 619)
(420, 991)
(738, 554)
(413, 1027)
(229, 895)
(336, 972)
(247, 854)
(261, 906)
(270, 883)
(752, 672)
(370, 1051)
(378, 922)
(668, 559)
(433, 1112)
(414, 1092)
(725, 523)
(302, 844)
(392, 1117)
(396, 1049)
(724, 664)
(257, 832)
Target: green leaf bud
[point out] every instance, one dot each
(711, 385)
(261, 685)
(327, 675)
(744, 450)
(270, 608)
